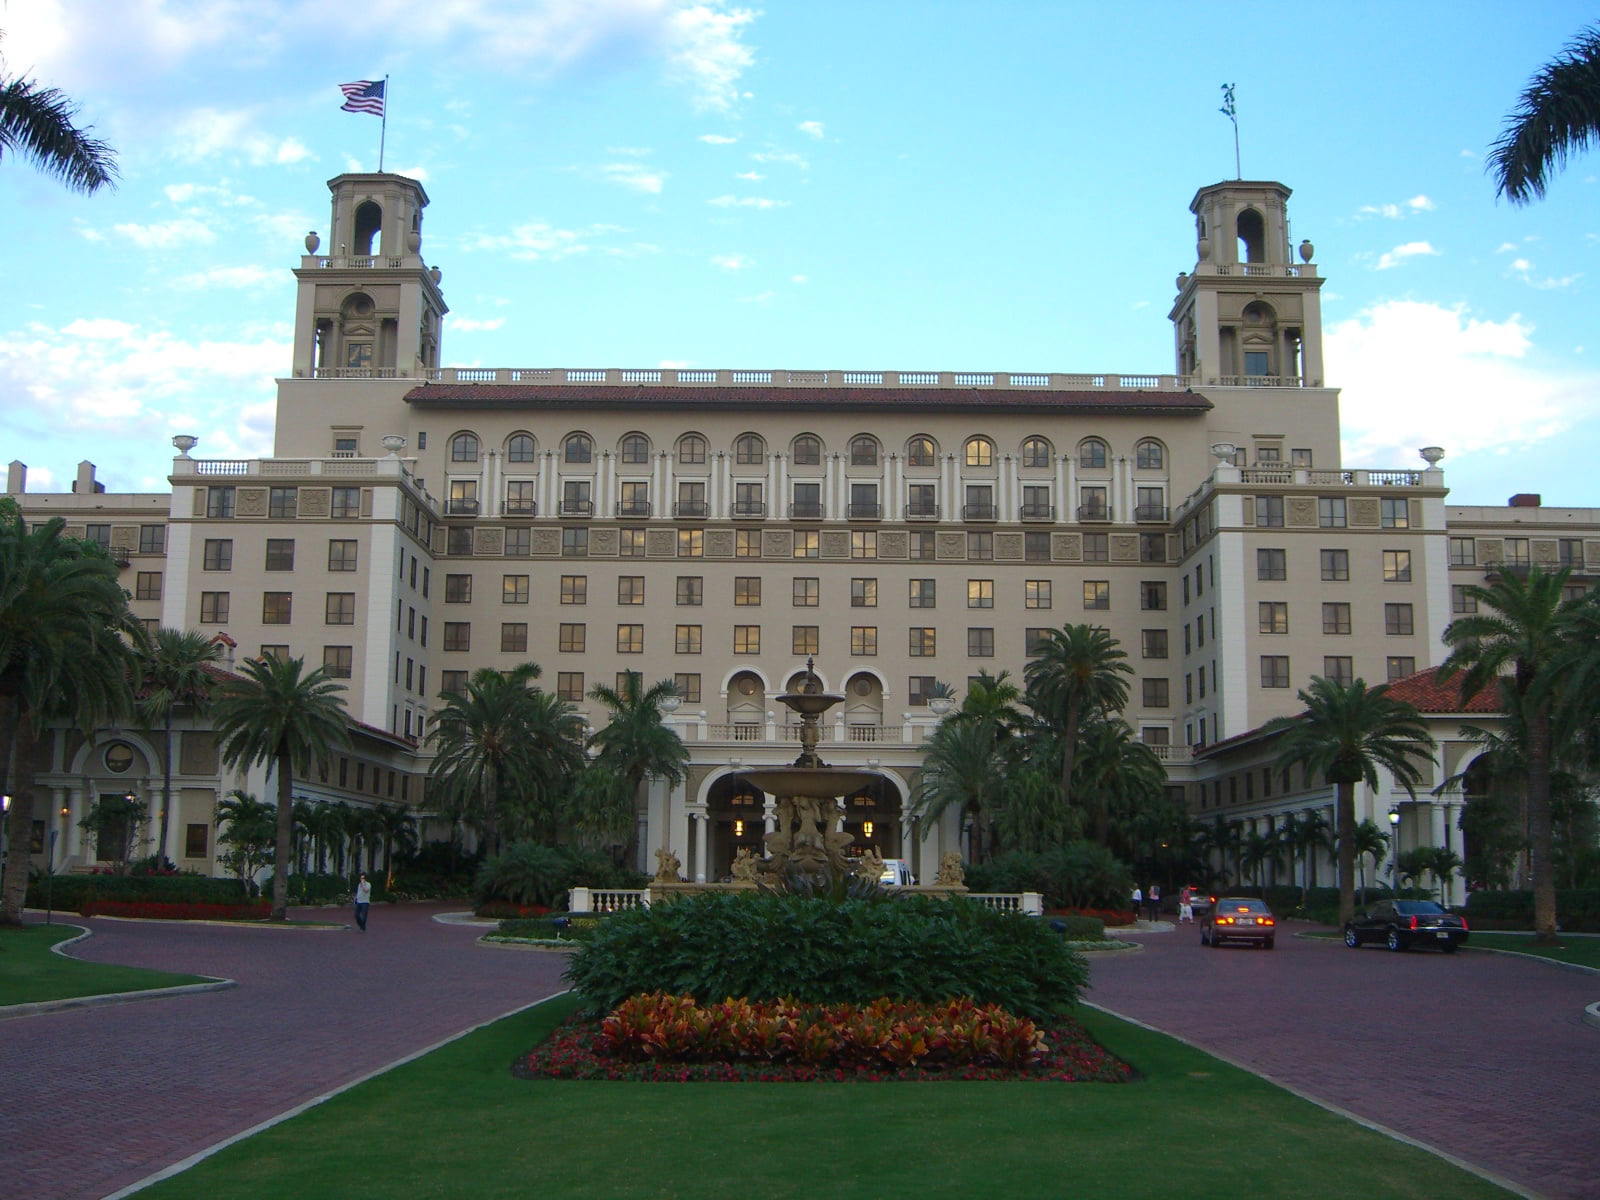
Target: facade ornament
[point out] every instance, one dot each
(950, 872)
(668, 866)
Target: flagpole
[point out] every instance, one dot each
(383, 131)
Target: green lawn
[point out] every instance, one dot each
(456, 1124)
(1584, 951)
(30, 972)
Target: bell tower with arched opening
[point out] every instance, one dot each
(370, 307)
(1250, 314)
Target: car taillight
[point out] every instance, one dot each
(1463, 921)
(1265, 921)
(1413, 922)
(1224, 920)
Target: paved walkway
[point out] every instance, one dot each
(1483, 1056)
(98, 1098)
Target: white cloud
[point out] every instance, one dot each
(234, 277)
(1522, 268)
(1395, 211)
(166, 234)
(539, 241)
(1505, 248)
(1414, 374)
(757, 177)
(718, 139)
(420, 174)
(211, 133)
(475, 325)
(1393, 258)
(799, 279)
(746, 202)
(811, 129)
(673, 364)
(636, 176)
(788, 157)
(705, 53)
(732, 262)
(629, 151)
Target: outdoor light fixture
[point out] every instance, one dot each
(738, 827)
(1394, 816)
(866, 828)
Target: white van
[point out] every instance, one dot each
(897, 873)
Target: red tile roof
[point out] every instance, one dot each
(802, 399)
(1428, 694)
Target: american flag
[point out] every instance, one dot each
(363, 96)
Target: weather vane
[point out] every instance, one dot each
(1228, 110)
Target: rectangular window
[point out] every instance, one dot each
(688, 685)
(147, 585)
(521, 497)
(346, 502)
(691, 591)
(919, 690)
(513, 637)
(921, 545)
(1274, 670)
(453, 683)
(1155, 693)
(1093, 505)
(570, 638)
(1461, 598)
(213, 608)
(807, 501)
(691, 499)
(980, 643)
(569, 686)
(575, 542)
(339, 608)
(1331, 512)
(863, 640)
(1034, 640)
(1397, 566)
(282, 503)
(217, 554)
(806, 543)
(458, 541)
(920, 501)
(1399, 666)
(747, 639)
(1097, 594)
(864, 501)
(807, 592)
(1035, 546)
(1272, 616)
(458, 589)
(746, 591)
(1336, 618)
(1516, 552)
(1153, 643)
(630, 589)
(1272, 564)
(339, 660)
(691, 543)
(1569, 552)
(458, 635)
(1339, 668)
(687, 639)
(1036, 593)
(152, 539)
(1398, 619)
(630, 639)
(1300, 457)
(1269, 512)
(1152, 547)
(574, 589)
(342, 554)
(276, 607)
(863, 593)
(804, 639)
(633, 498)
(1153, 595)
(519, 544)
(1396, 512)
(196, 840)
(1335, 566)
(513, 589)
(863, 543)
(747, 543)
(921, 593)
(923, 642)
(219, 502)
(980, 593)
(630, 542)
(980, 546)
(1097, 547)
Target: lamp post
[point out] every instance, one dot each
(1394, 849)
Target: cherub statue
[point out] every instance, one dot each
(668, 867)
(870, 864)
(950, 873)
(744, 865)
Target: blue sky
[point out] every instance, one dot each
(943, 185)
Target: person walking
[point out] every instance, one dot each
(1186, 904)
(363, 901)
(1138, 902)
(1154, 897)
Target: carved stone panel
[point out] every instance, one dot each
(719, 543)
(1247, 506)
(1591, 552)
(366, 502)
(777, 543)
(892, 543)
(1302, 512)
(315, 501)
(1364, 512)
(545, 543)
(1415, 508)
(835, 544)
(200, 502)
(1008, 547)
(252, 502)
(491, 540)
(1124, 547)
(124, 537)
(1066, 547)
(439, 541)
(602, 543)
(660, 543)
(1544, 551)
(952, 545)
(1491, 550)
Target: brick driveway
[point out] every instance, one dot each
(96, 1098)
(1482, 1056)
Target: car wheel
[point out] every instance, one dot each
(1394, 942)
(1351, 937)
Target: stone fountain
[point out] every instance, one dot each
(808, 792)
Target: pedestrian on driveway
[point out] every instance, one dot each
(363, 901)
(1186, 904)
(1155, 901)
(1138, 902)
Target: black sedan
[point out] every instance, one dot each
(1238, 919)
(1402, 924)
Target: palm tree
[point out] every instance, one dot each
(1121, 776)
(251, 832)
(636, 744)
(1303, 835)
(175, 677)
(1259, 850)
(289, 719)
(964, 766)
(993, 698)
(1521, 641)
(37, 122)
(67, 650)
(1345, 734)
(1078, 673)
(1559, 113)
(1371, 842)
(399, 836)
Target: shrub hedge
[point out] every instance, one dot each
(1077, 875)
(773, 947)
(1079, 929)
(557, 927)
(71, 892)
(1577, 909)
(528, 873)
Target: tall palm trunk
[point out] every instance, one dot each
(1344, 816)
(18, 780)
(280, 873)
(1542, 848)
(166, 796)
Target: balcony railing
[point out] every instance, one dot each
(577, 508)
(978, 512)
(1094, 512)
(633, 508)
(461, 508)
(922, 512)
(521, 508)
(805, 510)
(1150, 512)
(865, 512)
(696, 510)
(1038, 512)
(749, 509)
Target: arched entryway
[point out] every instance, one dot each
(734, 811)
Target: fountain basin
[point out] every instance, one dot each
(809, 703)
(824, 783)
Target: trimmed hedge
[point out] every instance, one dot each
(559, 927)
(530, 874)
(772, 947)
(251, 910)
(1077, 875)
(71, 892)
(1079, 929)
(1577, 909)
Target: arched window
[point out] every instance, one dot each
(1036, 452)
(863, 451)
(464, 448)
(578, 448)
(369, 225)
(692, 450)
(1252, 237)
(520, 448)
(1092, 452)
(979, 452)
(635, 448)
(749, 450)
(806, 451)
(1149, 455)
(921, 451)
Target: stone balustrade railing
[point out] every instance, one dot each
(705, 377)
(609, 900)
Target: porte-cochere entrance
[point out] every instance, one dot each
(735, 810)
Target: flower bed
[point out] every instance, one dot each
(671, 1038)
(255, 910)
(1111, 916)
(505, 910)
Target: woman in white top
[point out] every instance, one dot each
(363, 901)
